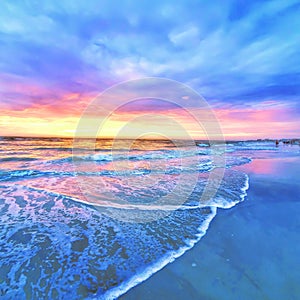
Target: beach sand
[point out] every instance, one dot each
(251, 251)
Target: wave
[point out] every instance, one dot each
(64, 232)
(67, 237)
(12, 175)
(255, 146)
(116, 292)
(53, 148)
(85, 249)
(147, 155)
(17, 158)
(203, 145)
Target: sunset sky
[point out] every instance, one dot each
(243, 57)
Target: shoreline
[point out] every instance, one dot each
(171, 257)
(230, 256)
(160, 264)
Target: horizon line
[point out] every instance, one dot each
(150, 139)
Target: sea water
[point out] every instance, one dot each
(58, 240)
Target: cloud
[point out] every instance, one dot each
(232, 52)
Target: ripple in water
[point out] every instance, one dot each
(56, 245)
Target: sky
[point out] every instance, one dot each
(242, 57)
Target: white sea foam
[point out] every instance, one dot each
(170, 257)
(41, 204)
(116, 292)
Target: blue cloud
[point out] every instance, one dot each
(230, 51)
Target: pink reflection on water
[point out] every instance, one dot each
(261, 166)
(272, 166)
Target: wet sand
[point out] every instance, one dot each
(251, 251)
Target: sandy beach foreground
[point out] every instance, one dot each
(249, 252)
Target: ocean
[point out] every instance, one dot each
(93, 223)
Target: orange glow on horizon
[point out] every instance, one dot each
(235, 123)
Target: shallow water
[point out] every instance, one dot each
(92, 224)
(250, 251)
